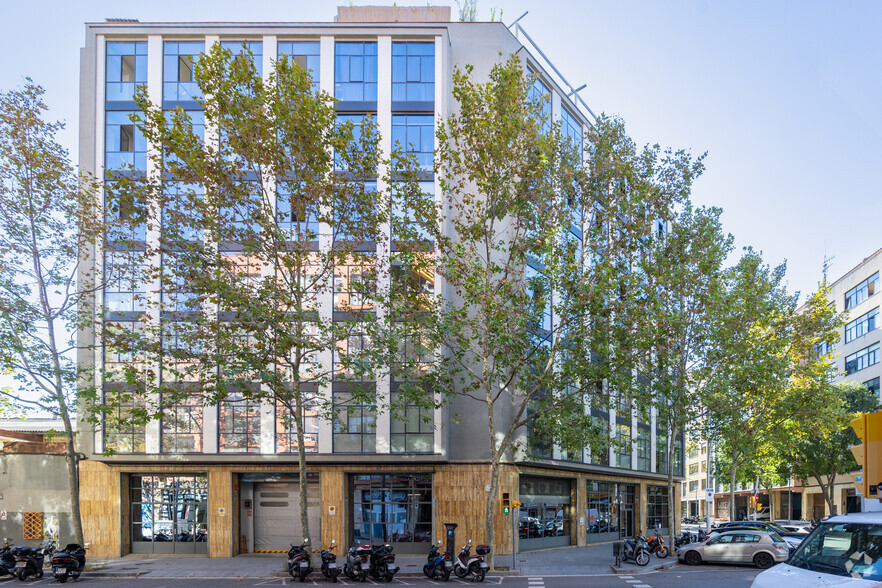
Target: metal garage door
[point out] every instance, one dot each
(277, 515)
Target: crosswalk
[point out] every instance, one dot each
(636, 583)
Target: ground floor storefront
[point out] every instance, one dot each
(225, 510)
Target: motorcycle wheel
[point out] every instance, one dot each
(61, 579)
(291, 571)
(445, 573)
(460, 572)
(347, 569)
(334, 573)
(302, 575)
(22, 576)
(477, 572)
(362, 576)
(642, 558)
(662, 552)
(429, 571)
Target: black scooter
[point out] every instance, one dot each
(636, 550)
(356, 566)
(329, 562)
(7, 560)
(383, 562)
(299, 565)
(29, 560)
(69, 562)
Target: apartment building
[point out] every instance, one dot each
(222, 480)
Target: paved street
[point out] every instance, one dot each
(679, 576)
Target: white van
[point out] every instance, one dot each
(843, 551)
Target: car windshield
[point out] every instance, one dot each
(843, 549)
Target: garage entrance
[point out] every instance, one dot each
(270, 511)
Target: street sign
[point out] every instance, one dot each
(710, 495)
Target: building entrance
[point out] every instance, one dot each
(544, 520)
(168, 514)
(392, 508)
(269, 510)
(609, 511)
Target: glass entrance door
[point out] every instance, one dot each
(392, 508)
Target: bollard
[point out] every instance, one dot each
(617, 552)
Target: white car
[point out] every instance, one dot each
(843, 551)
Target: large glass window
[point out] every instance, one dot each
(238, 48)
(873, 386)
(541, 94)
(394, 508)
(643, 449)
(862, 291)
(412, 427)
(601, 512)
(178, 63)
(415, 134)
(354, 285)
(306, 54)
(181, 426)
(861, 325)
(413, 71)
(355, 426)
(126, 68)
(661, 452)
(125, 289)
(169, 514)
(355, 71)
(286, 430)
(862, 359)
(623, 446)
(657, 509)
(124, 145)
(239, 425)
(571, 128)
(121, 434)
(545, 518)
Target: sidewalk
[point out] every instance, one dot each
(572, 561)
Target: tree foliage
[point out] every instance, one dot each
(45, 228)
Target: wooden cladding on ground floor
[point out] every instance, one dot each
(459, 492)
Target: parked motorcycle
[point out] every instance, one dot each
(69, 562)
(656, 545)
(29, 560)
(382, 562)
(7, 560)
(299, 565)
(329, 562)
(467, 564)
(636, 550)
(438, 564)
(357, 562)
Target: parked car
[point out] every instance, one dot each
(748, 546)
(792, 538)
(764, 514)
(845, 550)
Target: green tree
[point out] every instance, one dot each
(685, 284)
(276, 280)
(764, 391)
(43, 234)
(824, 458)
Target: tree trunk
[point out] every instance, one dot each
(73, 476)
(671, 514)
(491, 509)
(732, 485)
(301, 463)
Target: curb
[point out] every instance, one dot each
(640, 571)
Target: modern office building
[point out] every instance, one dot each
(856, 358)
(226, 476)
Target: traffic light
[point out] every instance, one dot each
(506, 503)
(868, 454)
(751, 501)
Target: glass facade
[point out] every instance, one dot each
(286, 430)
(242, 48)
(355, 71)
(545, 519)
(125, 147)
(306, 54)
(355, 430)
(239, 425)
(609, 510)
(541, 94)
(862, 291)
(126, 68)
(414, 134)
(178, 63)
(861, 325)
(392, 508)
(862, 359)
(571, 127)
(412, 427)
(657, 509)
(168, 513)
(413, 72)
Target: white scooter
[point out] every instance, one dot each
(467, 564)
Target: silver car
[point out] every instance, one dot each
(757, 547)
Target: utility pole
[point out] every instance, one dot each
(709, 504)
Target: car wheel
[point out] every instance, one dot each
(642, 558)
(692, 558)
(763, 561)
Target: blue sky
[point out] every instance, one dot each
(783, 95)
